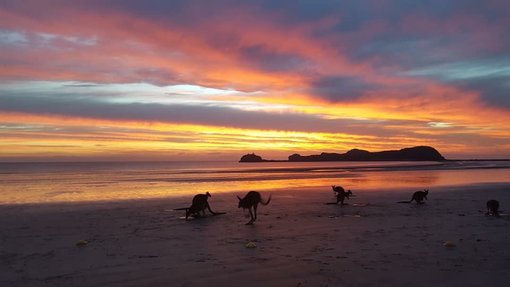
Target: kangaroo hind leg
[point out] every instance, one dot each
(251, 217)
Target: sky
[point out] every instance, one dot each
(213, 80)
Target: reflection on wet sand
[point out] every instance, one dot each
(71, 183)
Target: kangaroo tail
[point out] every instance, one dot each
(212, 212)
(404, 201)
(267, 202)
(182, 208)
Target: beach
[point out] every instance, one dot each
(122, 121)
(297, 240)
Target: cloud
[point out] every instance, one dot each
(494, 91)
(94, 107)
(489, 77)
(337, 88)
(263, 57)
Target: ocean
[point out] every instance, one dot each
(22, 183)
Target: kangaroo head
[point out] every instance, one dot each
(240, 201)
(426, 191)
(188, 213)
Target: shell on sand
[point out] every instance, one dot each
(449, 244)
(82, 243)
(250, 245)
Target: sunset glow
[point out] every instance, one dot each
(180, 80)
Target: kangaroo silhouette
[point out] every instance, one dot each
(341, 194)
(198, 206)
(250, 201)
(418, 196)
(493, 208)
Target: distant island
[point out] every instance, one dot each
(418, 153)
(251, 157)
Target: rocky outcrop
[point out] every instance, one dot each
(251, 157)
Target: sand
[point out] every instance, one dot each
(299, 240)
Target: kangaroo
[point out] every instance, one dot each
(341, 195)
(492, 207)
(198, 206)
(418, 196)
(252, 199)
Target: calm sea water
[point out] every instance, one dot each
(65, 182)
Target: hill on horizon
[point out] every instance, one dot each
(418, 153)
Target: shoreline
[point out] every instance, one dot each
(318, 190)
(300, 241)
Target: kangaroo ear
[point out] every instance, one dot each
(208, 194)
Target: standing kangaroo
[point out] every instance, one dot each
(198, 206)
(252, 199)
(418, 196)
(341, 195)
(493, 208)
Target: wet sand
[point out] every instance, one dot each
(299, 240)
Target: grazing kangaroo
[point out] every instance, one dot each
(198, 206)
(341, 195)
(493, 208)
(418, 196)
(252, 199)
